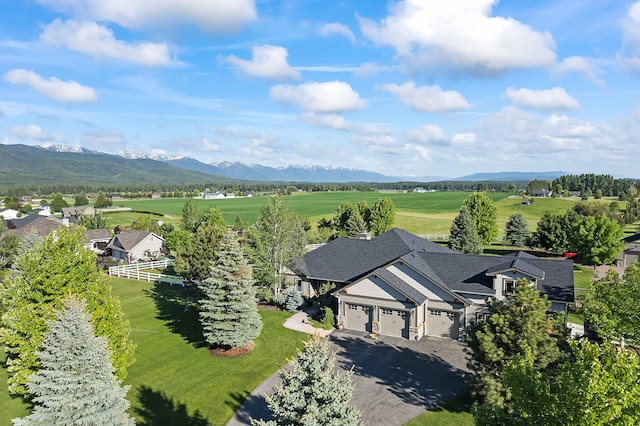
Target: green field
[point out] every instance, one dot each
(174, 379)
(420, 213)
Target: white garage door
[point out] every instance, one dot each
(443, 323)
(394, 323)
(358, 317)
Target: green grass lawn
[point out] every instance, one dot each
(174, 379)
(456, 412)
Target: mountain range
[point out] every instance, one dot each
(24, 165)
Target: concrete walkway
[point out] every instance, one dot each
(300, 322)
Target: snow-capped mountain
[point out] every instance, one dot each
(67, 148)
(149, 156)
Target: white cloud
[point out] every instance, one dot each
(328, 97)
(464, 138)
(629, 55)
(268, 62)
(631, 23)
(333, 121)
(370, 68)
(427, 98)
(216, 16)
(578, 64)
(461, 34)
(336, 28)
(64, 91)
(261, 147)
(551, 99)
(98, 41)
(210, 146)
(426, 134)
(35, 133)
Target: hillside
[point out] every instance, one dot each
(22, 165)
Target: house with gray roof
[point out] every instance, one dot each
(41, 225)
(133, 245)
(631, 251)
(96, 240)
(401, 285)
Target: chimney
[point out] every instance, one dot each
(364, 235)
(65, 222)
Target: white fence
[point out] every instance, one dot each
(138, 271)
(435, 237)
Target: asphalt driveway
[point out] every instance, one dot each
(395, 379)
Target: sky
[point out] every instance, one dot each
(404, 88)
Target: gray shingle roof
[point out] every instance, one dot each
(344, 260)
(97, 234)
(347, 260)
(42, 225)
(128, 239)
(404, 288)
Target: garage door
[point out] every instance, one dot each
(358, 317)
(443, 323)
(394, 323)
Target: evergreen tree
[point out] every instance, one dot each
(552, 233)
(516, 231)
(9, 244)
(53, 268)
(517, 324)
(383, 214)
(463, 236)
(293, 301)
(355, 225)
(228, 309)
(311, 392)
(190, 215)
(92, 221)
(76, 384)
(485, 215)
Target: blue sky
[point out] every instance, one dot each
(404, 88)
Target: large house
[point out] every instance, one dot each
(631, 251)
(133, 245)
(399, 284)
(32, 223)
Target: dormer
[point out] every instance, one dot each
(506, 274)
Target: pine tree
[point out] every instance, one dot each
(383, 214)
(516, 231)
(228, 310)
(76, 385)
(311, 392)
(485, 215)
(463, 236)
(355, 224)
(293, 301)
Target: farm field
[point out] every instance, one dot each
(419, 213)
(174, 379)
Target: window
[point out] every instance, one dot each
(387, 311)
(435, 313)
(508, 286)
(482, 316)
(452, 315)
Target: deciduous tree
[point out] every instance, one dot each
(76, 384)
(228, 309)
(275, 239)
(485, 215)
(312, 393)
(58, 202)
(53, 268)
(81, 200)
(383, 214)
(597, 239)
(102, 201)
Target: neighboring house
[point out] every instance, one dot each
(73, 213)
(575, 194)
(399, 284)
(41, 225)
(541, 193)
(10, 214)
(44, 209)
(133, 245)
(631, 251)
(97, 240)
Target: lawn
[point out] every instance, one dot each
(174, 379)
(456, 412)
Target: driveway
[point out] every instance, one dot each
(395, 379)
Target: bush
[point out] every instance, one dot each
(328, 319)
(293, 301)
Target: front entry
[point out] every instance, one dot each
(358, 317)
(394, 323)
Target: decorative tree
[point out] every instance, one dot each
(515, 325)
(58, 203)
(311, 392)
(485, 215)
(463, 236)
(76, 384)
(293, 301)
(355, 225)
(53, 268)
(190, 215)
(228, 309)
(516, 230)
(383, 214)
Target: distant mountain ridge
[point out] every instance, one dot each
(24, 164)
